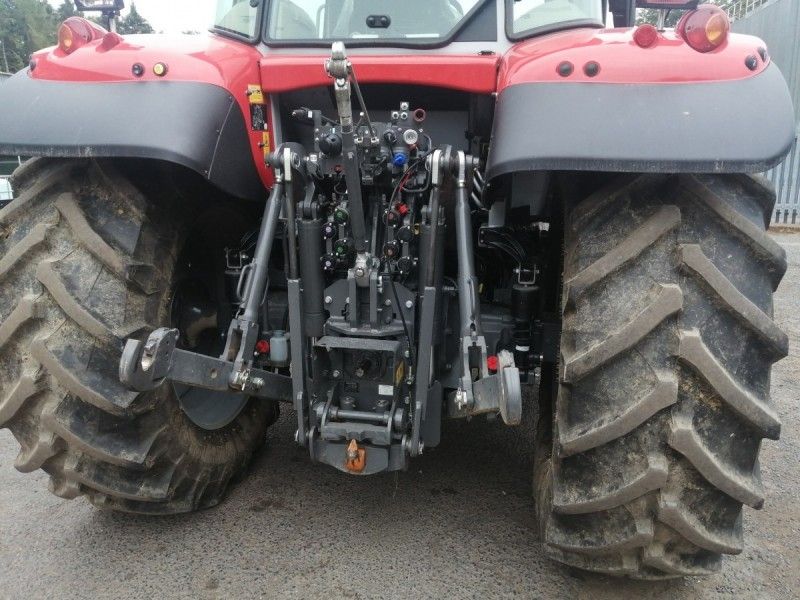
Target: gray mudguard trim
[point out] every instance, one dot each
(196, 125)
(745, 125)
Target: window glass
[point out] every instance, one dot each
(534, 14)
(406, 20)
(237, 16)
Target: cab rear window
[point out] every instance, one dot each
(238, 17)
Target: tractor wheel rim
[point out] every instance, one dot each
(208, 409)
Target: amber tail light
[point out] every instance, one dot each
(76, 32)
(705, 28)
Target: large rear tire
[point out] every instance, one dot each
(86, 261)
(663, 392)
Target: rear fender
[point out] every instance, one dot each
(666, 108)
(90, 104)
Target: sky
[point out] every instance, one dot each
(173, 16)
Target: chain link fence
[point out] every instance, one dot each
(738, 9)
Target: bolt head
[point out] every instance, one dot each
(409, 304)
(328, 299)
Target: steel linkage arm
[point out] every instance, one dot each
(479, 391)
(340, 69)
(147, 365)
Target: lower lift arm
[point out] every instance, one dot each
(146, 365)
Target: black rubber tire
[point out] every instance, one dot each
(86, 261)
(663, 393)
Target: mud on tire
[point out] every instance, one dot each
(87, 260)
(663, 398)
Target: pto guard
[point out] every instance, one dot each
(743, 125)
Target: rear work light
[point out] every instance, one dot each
(76, 32)
(704, 29)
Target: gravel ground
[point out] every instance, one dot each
(458, 524)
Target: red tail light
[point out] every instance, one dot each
(76, 32)
(645, 35)
(706, 28)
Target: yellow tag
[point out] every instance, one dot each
(265, 141)
(399, 372)
(255, 94)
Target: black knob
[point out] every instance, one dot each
(405, 234)
(392, 218)
(328, 262)
(331, 144)
(341, 216)
(391, 249)
(328, 231)
(343, 247)
(405, 264)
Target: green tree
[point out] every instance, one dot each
(650, 15)
(67, 10)
(25, 26)
(134, 22)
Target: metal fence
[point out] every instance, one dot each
(738, 9)
(786, 178)
(777, 22)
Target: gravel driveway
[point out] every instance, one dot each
(458, 524)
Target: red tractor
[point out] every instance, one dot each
(386, 214)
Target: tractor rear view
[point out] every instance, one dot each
(385, 215)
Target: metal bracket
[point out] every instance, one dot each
(501, 392)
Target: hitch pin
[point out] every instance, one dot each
(355, 457)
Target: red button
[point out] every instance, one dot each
(492, 363)
(262, 347)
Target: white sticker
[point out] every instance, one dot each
(385, 390)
